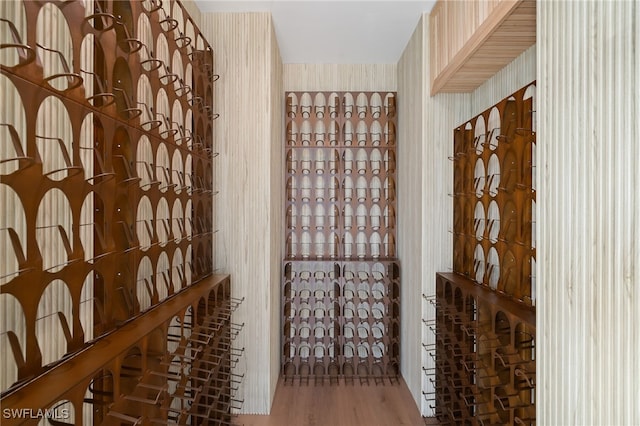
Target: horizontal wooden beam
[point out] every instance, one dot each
(507, 31)
(525, 312)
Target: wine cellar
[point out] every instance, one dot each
(341, 286)
(307, 213)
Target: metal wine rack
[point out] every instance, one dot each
(341, 164)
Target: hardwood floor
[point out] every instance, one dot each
(339, 405)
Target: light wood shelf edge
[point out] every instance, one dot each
(445, 81)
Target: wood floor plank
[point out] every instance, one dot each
(339, 405)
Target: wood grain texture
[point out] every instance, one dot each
(471, 41)
(425, 215)
(340, 77)
(589, 213)
(520, 72)
(277, 197)
(411, 132)
(342, 405)
(444, 112)
(248, 209)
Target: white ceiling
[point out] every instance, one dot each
(335, 32)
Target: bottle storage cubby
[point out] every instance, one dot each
(341, 283)
(494, 197)
(341, 164)
(484, 354)
(341, 321)
(106, 173)
(190, 379)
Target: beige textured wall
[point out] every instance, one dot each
(589, 213)
(424, 207)
(443, 113)
(277, 202)
(425, 213)
(340, 77)
(248, 174)
(412, 92)
(520, 72)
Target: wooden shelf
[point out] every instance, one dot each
(471, 41)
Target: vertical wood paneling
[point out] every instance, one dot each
(425, 179)
(443, 113)
(340, 77)
(277, 201)
(411, 132)
(514, 76)
(248, 245)
(589, 212)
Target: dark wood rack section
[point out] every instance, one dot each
(341, 164)
(485, 326)
(495, 197)
(484, 353)
(342, 281)
(108, 177)
(341, 321)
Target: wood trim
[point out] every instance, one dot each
(483, 293)
(501, 37)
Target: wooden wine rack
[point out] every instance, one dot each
(106, 171)
(485, 370)
(341, 320)
(341, 165)
(484, 350)
(173, 364)
(341, 285)
(495, 198)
